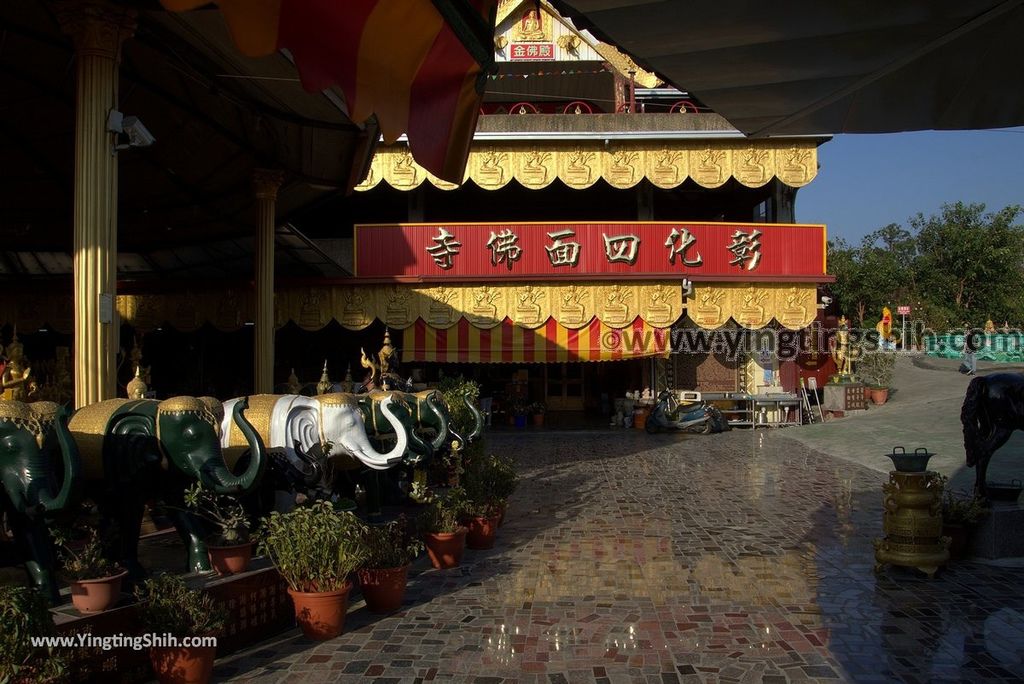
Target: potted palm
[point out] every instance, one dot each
(490, 481)
(230, 548)
(386, 550)
(314, 548)
(960, 513)
(442, 528)
(95, 581)
(24, 614)
(169, 607)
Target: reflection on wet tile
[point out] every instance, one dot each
(625, 557)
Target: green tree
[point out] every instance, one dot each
(970, 263)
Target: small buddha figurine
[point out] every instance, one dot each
(348, 385)
(294, 386)
(137, 386)
(18, 384)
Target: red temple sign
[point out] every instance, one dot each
(498, 251)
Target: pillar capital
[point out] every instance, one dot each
(266, 182)
(97, 28)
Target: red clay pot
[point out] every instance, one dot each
(383, 588)
(482, 530)
(96, 595)
(193, 665)
(879, 395)
(321, 615)
(445, 548)
(230, 560)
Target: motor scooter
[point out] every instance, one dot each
(689, 413)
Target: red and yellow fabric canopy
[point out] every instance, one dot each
(550, 343)
(417, 64)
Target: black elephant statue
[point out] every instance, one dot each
(30, 487)
(133, 451)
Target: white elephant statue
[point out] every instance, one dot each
(298, 426)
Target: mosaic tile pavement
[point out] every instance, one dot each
(742, 557)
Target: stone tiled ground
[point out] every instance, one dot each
(625, 557)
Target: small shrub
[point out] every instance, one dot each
(24, 614)
(223, 511)
(876, 368)
(166, 604)
(958, 509)
(490, 481)
(445, 513)
(452, 390)
(313, 547)
(391, 545)
(86, 564)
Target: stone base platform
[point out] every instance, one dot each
(1000, 534)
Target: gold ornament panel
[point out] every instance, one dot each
(794, 306)
(579, 164)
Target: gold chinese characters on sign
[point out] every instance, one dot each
(580, 164)
(752, 305)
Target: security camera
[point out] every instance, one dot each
(130, 126)
(826, 300)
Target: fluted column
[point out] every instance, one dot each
(265, 186)
(98, 30)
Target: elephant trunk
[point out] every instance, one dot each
(441, 423)
(219, 477)
(478, 417)
(72, 466)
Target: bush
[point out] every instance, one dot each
(875, 368)
(24, 613)
(391, 545)
(958, 509)
(88, 563)
(489, 481)
(223, 511)
(313, 547)
(452, 390)
(445, 513)
(168, 605)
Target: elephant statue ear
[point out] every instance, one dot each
(134, 424)
(46, 413)
(302, 428)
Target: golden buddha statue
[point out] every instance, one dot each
(137, 387)
(990, 327)
(18, 385)
(841, 351)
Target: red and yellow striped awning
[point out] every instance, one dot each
(419, 65)
(550, 343)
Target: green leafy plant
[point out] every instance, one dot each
(390, 545)
(445, 513)
(167, 604)
(88, 563)
(452, 390)
(223, 511)
(489, 482)
(314, 547)
(959, 509)
(24, 614)
(876, 368)
(519, 408)
(538, 407)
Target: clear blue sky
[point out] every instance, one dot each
(867, 181)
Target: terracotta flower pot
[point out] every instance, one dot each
(482, 530)
(445, 548)
(193, 665)
(230, 560)
(384, 588)
(538, 419)
(96, 595)
(879, 395)
(321, 615)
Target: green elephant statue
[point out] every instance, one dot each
(406, 408)
(28, 433)
(134, 451)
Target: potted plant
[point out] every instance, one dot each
(960, 513)
(230, 548)
(167, 606)
(386, 550)
(520, 410)
(95, 581)
(876, 370)
(24, 614)
(537, 409)
(490, 481)
(442, 528)
(313, 547)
